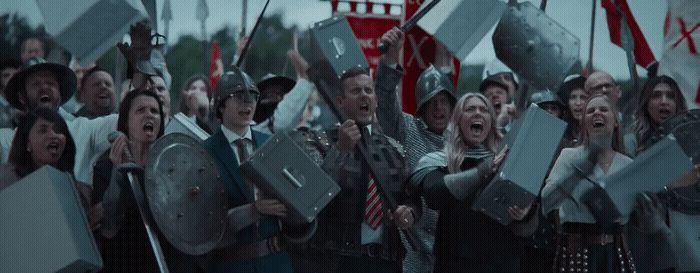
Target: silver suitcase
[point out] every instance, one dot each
(533, 143)
(43, 227)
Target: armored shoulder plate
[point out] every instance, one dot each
(399, 148)
(315, 143)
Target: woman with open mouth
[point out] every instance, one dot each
(467, 240)
(589, 243)
(42, 138)
(124, 243)
(574, 96)
(663, 226)
(661, 99)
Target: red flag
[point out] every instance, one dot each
(642, 53)
(418, 53)
(216, 67)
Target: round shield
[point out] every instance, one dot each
(185, 194)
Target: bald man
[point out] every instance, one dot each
(602, 83)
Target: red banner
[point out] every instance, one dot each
(418, 54)
(368, 28)
(418, 50)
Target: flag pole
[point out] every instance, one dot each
(628, 45)
(589, 65)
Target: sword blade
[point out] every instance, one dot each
(410, 23)
(152, 236)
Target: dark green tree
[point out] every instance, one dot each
(14, 29)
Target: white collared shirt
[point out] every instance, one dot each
(370, 235)
(232, 137)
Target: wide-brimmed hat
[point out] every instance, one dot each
(271, 79)
(65, 76)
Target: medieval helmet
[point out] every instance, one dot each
(232, 82)
(496, 67)
(430, 83)
(546, 97)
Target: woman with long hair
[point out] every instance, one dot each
(450, 179)
(662, 227)
(588, 243)
(661, 98)
(43, 138)
(574, 97)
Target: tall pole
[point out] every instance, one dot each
(627, 42)
(589, 64)
(202, 15)
(244, 18)
(166, 15)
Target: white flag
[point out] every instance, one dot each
(681, 59)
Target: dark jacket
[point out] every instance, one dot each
(341, 221)
(466, 236)
(239, 193)
(129, 249)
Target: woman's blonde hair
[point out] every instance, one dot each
(617, 143)
(455, 146)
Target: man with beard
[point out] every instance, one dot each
(356, 229)
(420, 135)
(41, 84)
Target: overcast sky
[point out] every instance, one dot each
(574, 15)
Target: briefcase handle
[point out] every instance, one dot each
(291, 178)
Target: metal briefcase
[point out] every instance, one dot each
(281, 168)
(660, 165)
(43, 227)
(182, 124)
(332, 40)
(533, 143)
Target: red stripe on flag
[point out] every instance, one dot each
(642, 53)
(215, 71)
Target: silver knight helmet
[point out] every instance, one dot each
(233, 82)
(430, 83)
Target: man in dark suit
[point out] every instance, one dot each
(356, 230)
(254, 236)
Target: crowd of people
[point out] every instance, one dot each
(449, 151)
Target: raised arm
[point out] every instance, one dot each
(389, 73)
